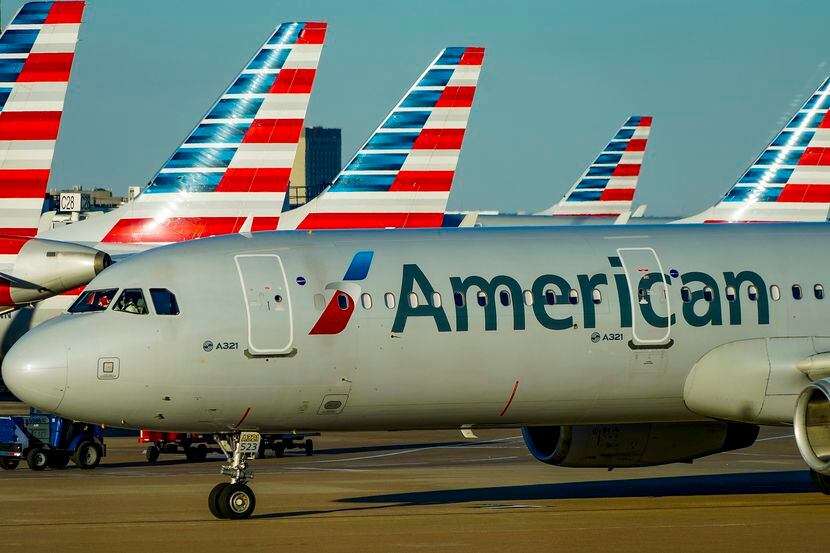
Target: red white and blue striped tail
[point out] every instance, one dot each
(36, 53)
(790, 181)
(231, 173)
(402, 175)
(606, 188)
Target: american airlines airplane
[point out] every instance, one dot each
(610, 346)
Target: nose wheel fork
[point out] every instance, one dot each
(235, 500)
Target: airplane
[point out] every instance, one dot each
(37, 50)
(610, 346)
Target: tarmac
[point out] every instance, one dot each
(421, 491)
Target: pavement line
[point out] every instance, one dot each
(776, 438)
(416, 450)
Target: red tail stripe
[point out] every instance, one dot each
(456, 97)
(23, 183)
(5, 294)
(423, 181)
(293, 81)
(46, 68)
(321, 221)
(646, 121)
(29, 125)
(176, 229)
(617, 195)
(805, 193)
(264, 223)
(12, 244)
(825, 121)
(17, 232)
(255, 180)
(439, 139)
(273, 131)
(312, 33)
(636, 145)
(626, 170)
(472, 56)
(65, 12)
(815, 156)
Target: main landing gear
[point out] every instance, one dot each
(235, 500)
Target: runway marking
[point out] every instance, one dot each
(416, 450)
(776, 438)
(509, 401)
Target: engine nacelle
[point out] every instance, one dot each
(635, 445)
(811, 422)
(44, 268)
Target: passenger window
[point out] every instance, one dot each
(482, 298)
(93, 300)
(752, 292)
(528, 297)
(504, 297)
(730, 293)
(342, 301)
(413, 300)
(596, 296)
(164, 301)
(389, 298)
(642, 296)
(131, 300)
(797, 292)
(319, 302)
(708, 294)
(573, 297)
(550, 297)
(458, 297)
(366, 300)
(818, 290)
(775, 292)
(436, 299)
(685, 294)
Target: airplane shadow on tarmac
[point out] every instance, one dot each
(673, 486)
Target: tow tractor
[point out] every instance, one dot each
(46, 440)
(196, 446)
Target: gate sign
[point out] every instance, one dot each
(74, 201)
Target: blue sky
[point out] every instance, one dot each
(720, 78)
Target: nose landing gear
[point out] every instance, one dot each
(235, 500)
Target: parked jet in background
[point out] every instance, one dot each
(36, 53)
(657, 338)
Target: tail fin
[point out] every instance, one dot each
(606, 188)
(231, 173)
(402, 175)
(790, 181)
(36, 53)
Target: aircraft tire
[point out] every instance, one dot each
(237, 501)
(190, 454)
(213, 500)
(37, 459)
(201, 453)
(7, 463)
(309, 448)
(152, 454)
(279, 450)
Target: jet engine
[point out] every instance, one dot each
(635, 445)
(811, 422)
(44, 268)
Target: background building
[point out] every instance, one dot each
(317, 163)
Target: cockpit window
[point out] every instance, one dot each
(93, 300)
(164, 301)
(131, 300)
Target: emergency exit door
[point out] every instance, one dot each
(648, 289)
(267, 303)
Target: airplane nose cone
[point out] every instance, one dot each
(36, 372)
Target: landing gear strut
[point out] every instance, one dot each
(235, 500)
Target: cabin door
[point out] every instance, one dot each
(648, 291)
(267, 303)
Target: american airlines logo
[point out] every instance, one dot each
(342, 296)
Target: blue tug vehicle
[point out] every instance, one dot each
(46, 440)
